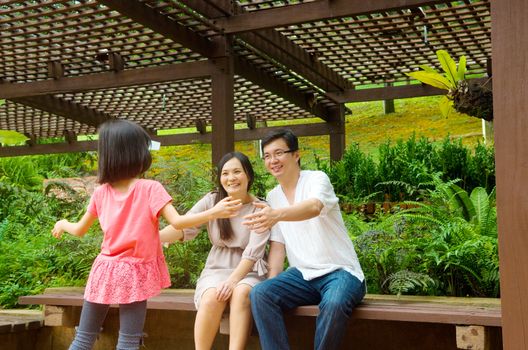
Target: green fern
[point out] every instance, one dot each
(406, 281)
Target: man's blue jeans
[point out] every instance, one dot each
(336, 293)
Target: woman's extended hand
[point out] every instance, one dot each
(263, 220)
(227, 208)
(225, 290)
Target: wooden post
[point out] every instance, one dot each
(337, 137)
(388, 105)
(223, 113)
(510, 107)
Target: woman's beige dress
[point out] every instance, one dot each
(225, 256)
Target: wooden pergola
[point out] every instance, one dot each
(69, 65)
(66, 66)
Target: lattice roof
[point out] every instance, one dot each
(280, 73)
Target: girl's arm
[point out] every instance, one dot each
(226, 208)
(170, 235)
(78, 229)
(276, 257)
(225, 289)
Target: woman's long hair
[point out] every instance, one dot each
(226, 231)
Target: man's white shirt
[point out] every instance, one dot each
(319, 245)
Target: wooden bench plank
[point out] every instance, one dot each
(457, 311)
(20, 320)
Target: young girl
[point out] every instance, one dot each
(131, 267)
(235, 263)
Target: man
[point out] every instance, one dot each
(324, 268)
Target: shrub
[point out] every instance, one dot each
(355, 176)
(446, 244)
(406, 165)
(31, 258)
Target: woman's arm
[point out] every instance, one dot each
(225, 289)
(226, 208)
(170, 235)
(276, 257)
(78, 229)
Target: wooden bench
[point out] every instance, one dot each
(471, 316)
(19, 329)
(12, 321)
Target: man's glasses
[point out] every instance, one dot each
(277, 154)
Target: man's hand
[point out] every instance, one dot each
(263, 220)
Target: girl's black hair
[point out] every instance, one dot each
(226, 231)
(123, 150)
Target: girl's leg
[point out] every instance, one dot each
(131, 323)
(208, 320)
(92, 317)
(239, 317)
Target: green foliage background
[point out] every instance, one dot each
(400, 253)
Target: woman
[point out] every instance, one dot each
(235, 263)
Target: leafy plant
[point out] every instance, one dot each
(474, 100)
(460, 238)
(404, 168)
(354, 176)
(31, 258)
(187, 260)
(405, 281)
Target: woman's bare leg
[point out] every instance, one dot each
(208, 320)
(239, 317)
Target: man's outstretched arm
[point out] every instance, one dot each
(265, 218)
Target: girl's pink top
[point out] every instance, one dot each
(131, 266)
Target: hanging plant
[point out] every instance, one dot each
(473, 99)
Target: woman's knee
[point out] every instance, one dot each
(209, 301)
(240, 297)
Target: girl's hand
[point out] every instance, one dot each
(58, 229)
(227, 208)
(225, 290)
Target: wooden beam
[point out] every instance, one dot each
(223, 109)
(312, 11)
(64, 108)
(151, 18)
(293, 57)
(278, 87)
(278, 47)
(509, 56)
(159, 23)
(390, 92)
(315, 129)
(108, 80)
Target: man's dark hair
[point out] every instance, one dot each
(123, 150)
(286, 134)
(226, 231)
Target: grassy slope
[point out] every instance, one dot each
(368, 126)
